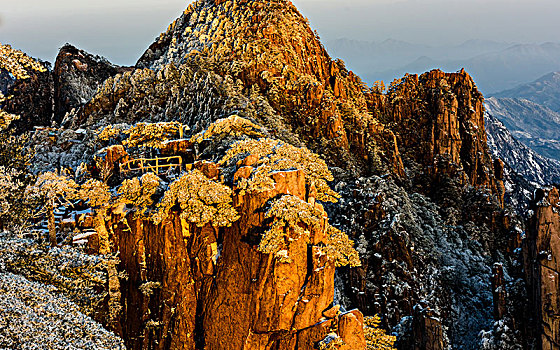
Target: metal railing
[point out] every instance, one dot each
(152, 164)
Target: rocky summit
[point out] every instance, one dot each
(239, 189)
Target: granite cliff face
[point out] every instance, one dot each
(183, 283)
(541, 266)
(192, 287)
(439, 122)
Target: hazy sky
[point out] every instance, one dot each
(122, 29)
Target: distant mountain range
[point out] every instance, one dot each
(544, 91)
(523, 116)
(495, 66)
(523, 129)
(531, 113)
(535, 125)
(536, 169)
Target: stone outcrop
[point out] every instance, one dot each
(350, 329)
(542, 264)
(47, 96)
(427, 330)
(32, 100)
(438, 119)
(77, 75)
(498, 291)
(108, 160)
(190, 287)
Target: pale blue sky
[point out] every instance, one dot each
(122, 29)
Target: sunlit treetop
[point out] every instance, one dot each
(293, 219)
(2, 97)
(231, 126)
(95, 192)
(275, 155)
(17, 63)
(152, 135)
(376, 337)
(6, 119)
(55, 188)
(139, 192)
(200, 199)
(340, 247)
(112, 132)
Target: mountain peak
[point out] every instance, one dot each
(549, 77)
(77, 76)
(544, 91)
(270, 48)
(218, 28)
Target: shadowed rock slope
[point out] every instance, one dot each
(45, 97)
(77, 75)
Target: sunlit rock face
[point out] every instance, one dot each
(542, 266)
(439, 122)
(191, 287)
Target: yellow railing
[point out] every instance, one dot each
(154, 164)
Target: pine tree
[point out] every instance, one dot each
(201, 200)
(376, 337)
(99, 198)
(139, 191)
(53, 190)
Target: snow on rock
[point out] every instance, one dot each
(34, 316)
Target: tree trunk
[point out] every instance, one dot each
(114, 298)
(52, 225)
(102, 233)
